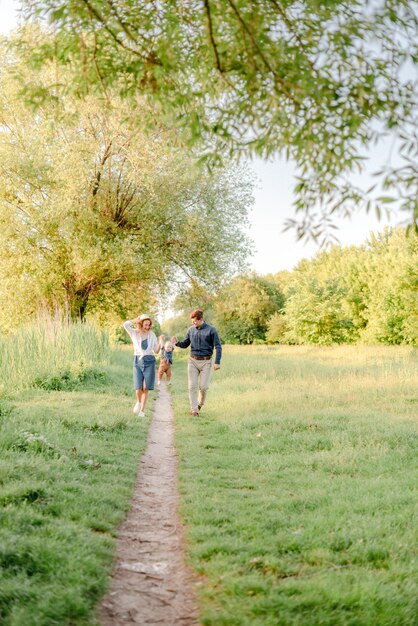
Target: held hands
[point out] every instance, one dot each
(174, 340)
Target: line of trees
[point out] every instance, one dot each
(365, 293)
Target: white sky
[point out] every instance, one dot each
(8, 17)
(273, 249)
(277, 250)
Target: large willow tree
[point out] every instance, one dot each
(96, 212)
(316, 81)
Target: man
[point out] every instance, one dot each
(203, 339)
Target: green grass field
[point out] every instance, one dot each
(68, 462)
(299, 485)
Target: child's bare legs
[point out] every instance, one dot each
(164, 369)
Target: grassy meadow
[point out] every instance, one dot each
(299, 486)
(298, 482)
(69, 454)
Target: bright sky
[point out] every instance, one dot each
(274, 250)
(8, 18)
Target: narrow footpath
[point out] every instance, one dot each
(151, 584)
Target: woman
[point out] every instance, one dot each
(146, 346)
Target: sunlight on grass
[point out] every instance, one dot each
(298, 484)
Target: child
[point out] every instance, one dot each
(166, 361)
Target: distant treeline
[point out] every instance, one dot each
(364, 294)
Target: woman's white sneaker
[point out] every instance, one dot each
(141, 414)
(137, 408)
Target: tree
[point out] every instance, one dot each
(317, 313)
(96, 213)
(277, 329)
(344, 267)
(244, 306)
(189, 297)
(315, 81)
(355, 294)
(391, 275)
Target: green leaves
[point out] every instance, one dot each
(101, 204)
(243, 307)
(365, 294)
(310, 80)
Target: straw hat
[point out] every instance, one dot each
(144, 317)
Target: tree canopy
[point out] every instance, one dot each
(97, 213)
(316, 81)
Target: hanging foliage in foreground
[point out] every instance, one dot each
(318, 82)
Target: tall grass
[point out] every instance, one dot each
(68, 463)
(48, 348)
(298, 484)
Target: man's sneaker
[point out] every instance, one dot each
(137, 408)
(141, 414)
(194, 413)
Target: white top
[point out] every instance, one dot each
(135, 335)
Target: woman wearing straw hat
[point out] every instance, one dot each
(146, 346)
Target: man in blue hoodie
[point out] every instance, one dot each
(203, 339)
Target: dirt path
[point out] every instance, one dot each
(151, 584)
